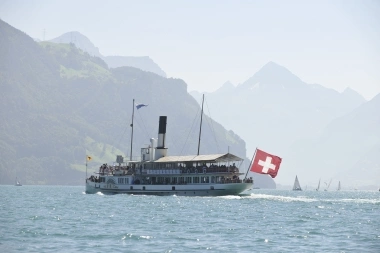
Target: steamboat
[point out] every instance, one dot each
(156, 173)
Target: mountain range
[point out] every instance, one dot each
(65, 100)
(319, 132)
(61, 104)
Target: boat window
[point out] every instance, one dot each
(188, 180)
(205, 180)
(196, 180)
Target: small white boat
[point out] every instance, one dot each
(17, 183)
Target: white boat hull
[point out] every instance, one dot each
(164, 190)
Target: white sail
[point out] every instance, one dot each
(297, 186)
(338, 186)
(328, 185)
(319, 183)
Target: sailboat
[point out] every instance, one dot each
(17, 183)
(319, 183)
(297, 186)
(327, 185)
(338, 189)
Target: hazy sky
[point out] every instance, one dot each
(335, 43)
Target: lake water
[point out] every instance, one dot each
(65, 219)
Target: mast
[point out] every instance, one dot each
(250, 164)
(200, 126)
(133, 113)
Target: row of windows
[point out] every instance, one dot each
(186, 180)
(174, 180)
(123, 180)
(178, 165)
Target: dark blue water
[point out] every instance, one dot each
(64, 219)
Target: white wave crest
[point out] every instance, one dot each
(230, 197)
(281, 198)
(361, 201)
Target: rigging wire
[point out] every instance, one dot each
(209, 122)
(143, 126)
(119, 138)
(190, 131)
(172, 142)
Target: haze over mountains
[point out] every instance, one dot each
(319, 132)
(63, 103)
(82, 42)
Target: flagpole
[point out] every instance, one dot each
(133, 113)
(250, 164)
(86, 166)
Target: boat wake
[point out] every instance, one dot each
(358, 201)
(307, 199)
(230, 197)
(281, 198)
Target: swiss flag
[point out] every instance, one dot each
(265, 163)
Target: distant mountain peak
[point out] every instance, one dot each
(142, 62)
(227, 86)
(228, 83)
(348, 89)
(353, 95)
(272, 75)
(271, 67)
(272, 64)
(80, 41)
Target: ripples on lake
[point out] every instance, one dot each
(64, 219)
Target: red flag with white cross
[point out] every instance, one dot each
(265, 163)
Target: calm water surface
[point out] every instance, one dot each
(64, 219)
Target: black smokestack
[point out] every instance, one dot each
(161, 132)
(162, 125)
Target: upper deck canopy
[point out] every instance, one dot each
(216, 158)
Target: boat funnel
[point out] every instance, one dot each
(161, 150)
(161, 132)
(153, 144)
